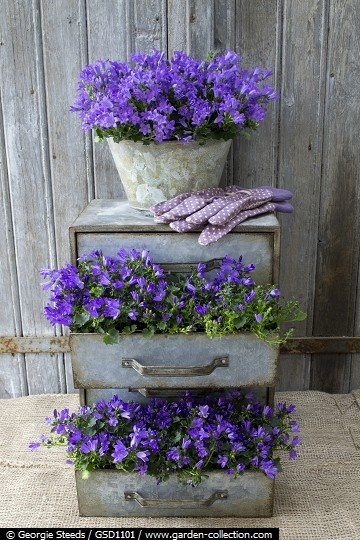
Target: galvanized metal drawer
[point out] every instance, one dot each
(173, 361)
(112, 224)
(111, 493)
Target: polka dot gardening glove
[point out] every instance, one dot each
(218, 210)
(213, 233)
(165, 206)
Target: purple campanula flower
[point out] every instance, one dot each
(247, 281)
(173, 454)
(34, 446)
(274, 293)
(201, 450)
(133, 315)
(120, 452)
(202, 309)
(267, 411)
(291, 408)
(249, 297)
(201, 269)
(113, 421)
(269, 468)
(249, 268)
(186, 443)
(238, 446)
(89, 446)
(191, 288)
(258, 317)
(137, 435)
(143, 455)
(296, 441)
(159, 295)
(294, 426)
(222, 461)
(75, 436)
(94, 306)
(111, 307)
(204, 411)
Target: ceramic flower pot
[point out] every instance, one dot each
(157, 172)
(113, 493)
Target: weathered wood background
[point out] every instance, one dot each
(309, 144)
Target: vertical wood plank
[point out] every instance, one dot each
(224, 25)
(339, 227)
(12, 367)
(30, 193)
(191, 27)
(258, 34)
(300, 158)
(199, 26)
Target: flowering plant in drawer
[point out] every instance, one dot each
(188, 437)
(130, 293)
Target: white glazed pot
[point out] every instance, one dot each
(159, 171)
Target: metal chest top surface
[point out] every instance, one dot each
(112, 224)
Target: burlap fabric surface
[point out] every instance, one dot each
(316, 497)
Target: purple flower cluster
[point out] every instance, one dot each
(152, 98)
(188, 437)
(130, 293)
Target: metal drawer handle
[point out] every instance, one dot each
(154, 371)
(174, 503)
(177, 267)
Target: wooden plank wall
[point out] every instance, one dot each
(309, 143)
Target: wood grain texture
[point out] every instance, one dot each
(24, 121)
(12, 368)
(339, 227)
(258, 34)
(300, 151)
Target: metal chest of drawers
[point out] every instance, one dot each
(138, 367)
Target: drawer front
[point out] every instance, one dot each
(117, 494)
(257, 248)
(172, 361)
